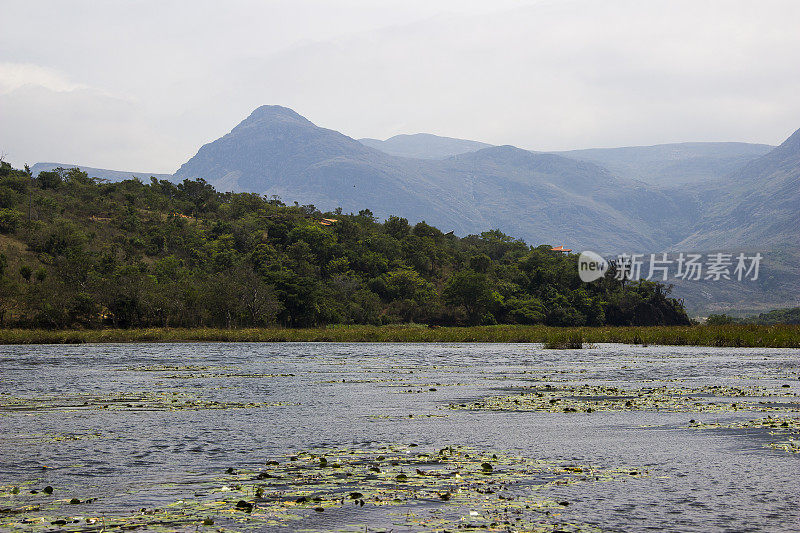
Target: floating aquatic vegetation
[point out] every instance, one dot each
(31, 438)
(591, 398)
(201, 372)
(395, 486)
(173, 368)
(780, 423)
(406, 417)
(75, 436)
(776, 426)
(122, 401)
(217, 375)
(790, 445)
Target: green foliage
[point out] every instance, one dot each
(133, 254)
(9, 220)
(49, 180)
(720, 320)
(8, 197)
(472, 291)
(777, 316)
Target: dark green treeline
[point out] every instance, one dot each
(79, 252)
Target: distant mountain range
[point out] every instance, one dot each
(687, 196)
(102, 173)
(664, 165)
(535, 196)
(757, 205)
(680, 197)
(650, 198)
(669, 165)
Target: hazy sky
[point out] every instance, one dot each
(141, 85)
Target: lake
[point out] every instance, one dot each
(402, 437)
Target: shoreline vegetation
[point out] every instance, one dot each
(733, 335)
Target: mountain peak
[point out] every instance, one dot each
(785, 157)
(273, 146)
(506, 153)
(276, 113)
(792, 143)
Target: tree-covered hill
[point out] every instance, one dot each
(80, 252)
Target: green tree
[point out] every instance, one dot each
(49, 179)
(470, 290)
(397, 227)
(720, 320)
(9, 220)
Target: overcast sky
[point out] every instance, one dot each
(141, 85)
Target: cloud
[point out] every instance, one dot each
(547, 75)
(82, 126)
(16, 75)
(556, 76)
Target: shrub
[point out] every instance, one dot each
(9, 220)
(564, 341)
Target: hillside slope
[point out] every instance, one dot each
(758, 206)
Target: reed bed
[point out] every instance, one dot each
(735, 335)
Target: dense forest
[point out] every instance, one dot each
(76, 251)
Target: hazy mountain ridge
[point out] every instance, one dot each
(669, 165)
(102, 173)
(424, 146)
(536, 196)
(275, 151)
(569, 201)
(663, 165)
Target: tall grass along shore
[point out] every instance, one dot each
(734, 335)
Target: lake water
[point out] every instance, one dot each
(168, 435)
